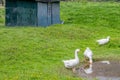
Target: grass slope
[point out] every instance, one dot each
(36, 53)
(92, 14)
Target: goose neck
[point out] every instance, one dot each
(76, 55)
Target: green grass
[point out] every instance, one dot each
(2, 19)
(92, 14)
(36, 53)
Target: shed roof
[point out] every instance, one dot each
(48, 0)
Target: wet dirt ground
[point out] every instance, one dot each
(101, 71)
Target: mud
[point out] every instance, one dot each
(101, 71)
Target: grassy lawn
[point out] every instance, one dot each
(36, 53)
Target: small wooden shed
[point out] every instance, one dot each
(32, 12)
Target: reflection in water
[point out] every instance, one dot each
(88, 69)
(107, 62)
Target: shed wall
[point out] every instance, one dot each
(21, 13)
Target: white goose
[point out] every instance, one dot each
(103, 41)
(72, 62)
(88, 54)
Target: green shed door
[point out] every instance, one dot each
(48, 13)
(42, 14)
(56, 13)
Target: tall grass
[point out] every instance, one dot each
(36, 53)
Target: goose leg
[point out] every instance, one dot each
(73, 69)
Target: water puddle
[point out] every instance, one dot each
(88, 69)
(101, 70)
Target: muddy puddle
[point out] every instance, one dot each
(100, 70)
